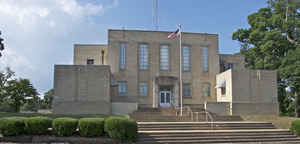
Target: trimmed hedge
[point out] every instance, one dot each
(295, 127)
(91, 127)
(12, 126)
(64, 126)
(121, 128)
(37, 125)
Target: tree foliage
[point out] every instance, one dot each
(19, 92)
(4, 78)
(48, 98)
(272, 43)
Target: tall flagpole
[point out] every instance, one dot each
(180, 70)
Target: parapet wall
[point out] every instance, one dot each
(82, 89)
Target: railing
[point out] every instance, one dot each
(189, 111)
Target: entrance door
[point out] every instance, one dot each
(165, 98)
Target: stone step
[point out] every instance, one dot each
(145, 135)
(219, 122)
(246, 140)
(171, 124)
(205, 124)
(204, 128)
(215, 137)
(215, 131)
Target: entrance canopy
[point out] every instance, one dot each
(221, 84)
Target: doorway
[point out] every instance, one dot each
(165, 98)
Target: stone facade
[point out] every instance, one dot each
(82, 89)
(112, 75)
(154, 39)
(249, 91)
(84, 52)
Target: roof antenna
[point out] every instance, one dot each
(155, 14)
(123, 31)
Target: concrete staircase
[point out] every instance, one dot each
(169, 115)
(216, 132)
(161, 125)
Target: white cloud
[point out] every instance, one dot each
(31, 11)
(73, 8)
(40, 33)
(15, 61)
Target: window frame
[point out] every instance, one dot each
(184, 88)
(123, 53)
(143, 65)
(189, 62)
(223, 91)
(146, 86)
(205, 59)
(121, 93)
(203, 87)
(160, 57)
(92, 60)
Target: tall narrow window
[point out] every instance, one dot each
(122, 56)
(102, 56)
(206, 89)
(122, 88)
(164, 57)
(186, 61)
(143, 89)
(205, 59)
(186, 90)
(143, 56)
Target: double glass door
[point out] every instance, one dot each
(165, 98)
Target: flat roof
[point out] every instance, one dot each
(90, 44)
(159, 31)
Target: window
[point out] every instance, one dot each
(90, 61)
(186, 89)
(102, 56)
(122, 56)
(164, 57)
(186, 61)
(143, 89)
(122, 88)
(206, 89)
(205, 59)
(223, 90)
(143, 56)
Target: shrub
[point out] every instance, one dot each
(91, 127)
(295, 127)
(37, 125)
(121, 128)
(64, 126)
(12, 126)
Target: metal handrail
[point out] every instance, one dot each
(208, 115)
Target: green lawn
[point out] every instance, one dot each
(6, 114)
(282, 122)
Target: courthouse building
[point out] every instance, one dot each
(141, 69)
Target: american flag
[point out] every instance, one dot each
(174, 34)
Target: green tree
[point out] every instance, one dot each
(271, 43)
(290, 73)
(19, 92)
(48, 98)
(4, 78)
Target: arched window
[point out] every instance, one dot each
(206, 89)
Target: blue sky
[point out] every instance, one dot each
(41, 33)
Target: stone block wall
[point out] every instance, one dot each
(82, 89)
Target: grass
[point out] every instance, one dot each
(282, 122)
(8, 114)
